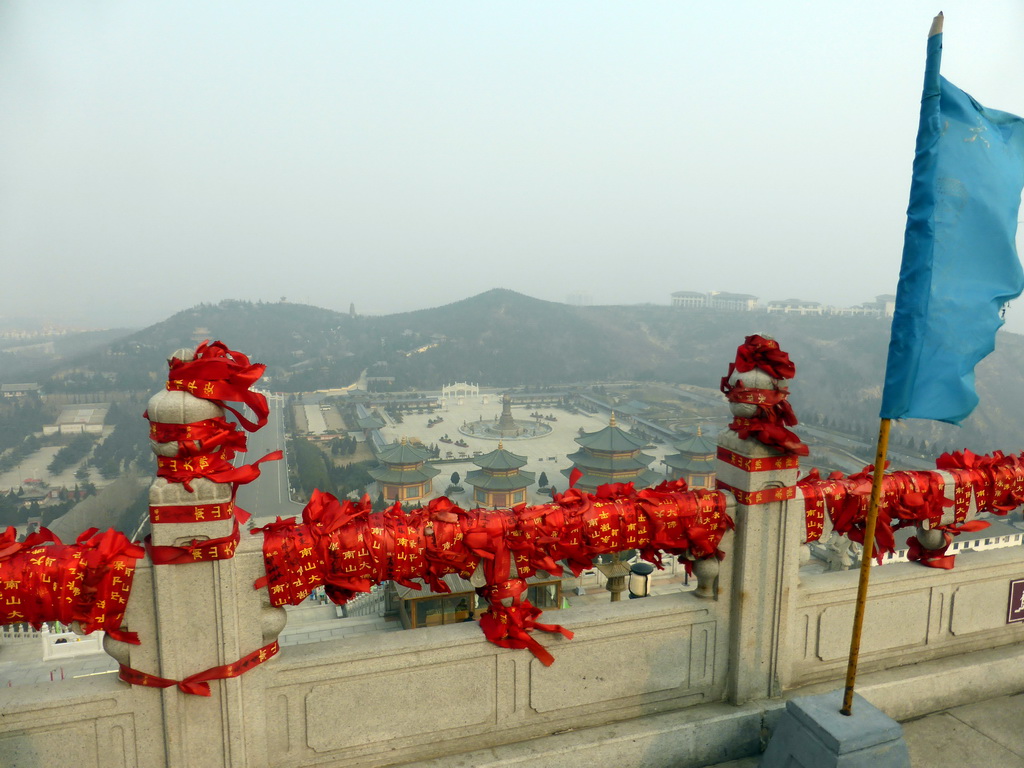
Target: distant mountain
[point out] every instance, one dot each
(28, 357)
(503, 338)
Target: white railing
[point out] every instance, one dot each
(368, 604)
(68, 645)
(18, 633)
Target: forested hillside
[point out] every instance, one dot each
(502, 338)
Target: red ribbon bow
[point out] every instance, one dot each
(219, 374)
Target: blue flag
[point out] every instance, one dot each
(960, 263)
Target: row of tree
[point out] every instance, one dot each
(21, 451)
(313, 469)
(72, 453)
(127, 446)
(343, 446)
(21, 417)
(15, 511)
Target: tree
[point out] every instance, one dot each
(543, 479)
(71, 454)
(455, 478)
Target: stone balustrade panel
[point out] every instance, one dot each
(419, 694)
(913, 614)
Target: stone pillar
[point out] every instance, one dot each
(765, 557)
(205, 614)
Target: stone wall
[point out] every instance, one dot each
(89, 723)
(914, 614)
(677, 680)
(408, 696)
(442, 690)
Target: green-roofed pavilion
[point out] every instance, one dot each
(403, 453)
(404, 474)
(369, 422)
(695, 462)
(500, 481)
(611, 455)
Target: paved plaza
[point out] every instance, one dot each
(35, 466)
(546, 453)
(985, 734)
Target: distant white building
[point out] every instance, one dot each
(999, 534)
(796, 307)
(735, 302)
(689, 299)
(579, 299)
(841, 554)
(19, 390)
(77, 419)
(730, 302)
(882, 306)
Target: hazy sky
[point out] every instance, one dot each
(401, 155)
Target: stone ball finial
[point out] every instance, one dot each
(706, 570)
(167, 407)
(930, 538)
(755, 379)
(184, 354)
(180, 407)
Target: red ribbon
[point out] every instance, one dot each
(996, 482)
(915, 498)
(89, 581)
(815, 492)
(219, 374)
(198, 684)
(770, 433)
(510, 626)
(347, 548)
(760, 464)
(764, 399)
(196, 513)
(932, 558)
(199, 437)
(774, 412)
(764, 496)
(759, 352)
(222, 548)
(214, 467)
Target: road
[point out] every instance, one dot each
(860, 452)
(267, 497)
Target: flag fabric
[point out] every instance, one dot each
(960, 263)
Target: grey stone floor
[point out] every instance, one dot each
(22, 663)
(985, 734)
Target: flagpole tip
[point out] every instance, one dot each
(936, 26)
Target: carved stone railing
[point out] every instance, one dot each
(652, 668)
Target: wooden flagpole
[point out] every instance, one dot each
(869, 524)
(865, 564)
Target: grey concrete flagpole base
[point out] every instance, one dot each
(813, 734)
